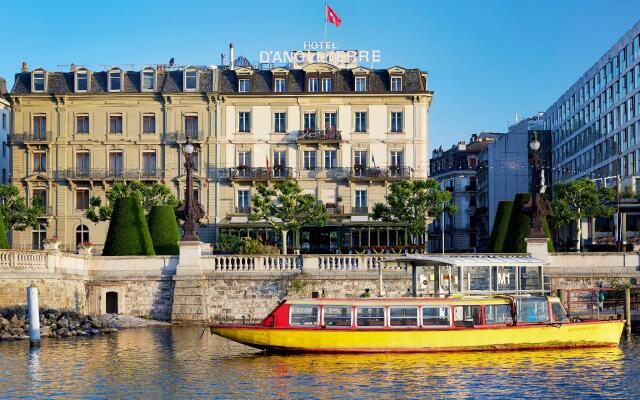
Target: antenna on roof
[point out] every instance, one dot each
(171, 62)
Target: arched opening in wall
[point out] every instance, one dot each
(82, 234)
(112, 302)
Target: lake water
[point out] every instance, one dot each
(176, 362)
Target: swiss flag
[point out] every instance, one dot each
(332, 17)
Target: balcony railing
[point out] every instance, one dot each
(334, 209)
(387, 173)
(243, 210)
(260, 173)
(107, 174)
(319, 136)
(360, 210)
(178, 137)
(31, 137)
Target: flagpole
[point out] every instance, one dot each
(325, 22)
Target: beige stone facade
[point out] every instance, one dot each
(344, 135)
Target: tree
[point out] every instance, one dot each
(16, 215)
(128, 233)
(519, 227)
(155, 194)
(500, 227)
(413, 203)
(163, 228)
(578, 199)
(286, 208)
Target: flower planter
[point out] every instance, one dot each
(85, 250)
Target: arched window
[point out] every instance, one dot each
(82, 234)
(115, 79)
(190, 79)
(148, 79)
(82, 80)
(38, 80)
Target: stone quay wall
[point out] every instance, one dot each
(197, 287)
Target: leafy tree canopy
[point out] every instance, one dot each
(15, 213)
(413, 202)
(155, 194)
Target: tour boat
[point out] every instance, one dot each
(409, 325)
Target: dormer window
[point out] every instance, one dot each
(82, 80)
(313, 84)
(38, 81)
(191, 79)
(148, 80)
(243, 85)
(279, 85)
(326, 84)
(396, 84)
(115, 80)
(361, 83)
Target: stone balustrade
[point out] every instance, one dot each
(23, 260)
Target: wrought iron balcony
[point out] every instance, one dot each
(108, 174)
(334, 208)
(180, 137)
(243, 210)
(260, 173)
(375, 173)
(319, 136)
(360, 210)
(31, 137)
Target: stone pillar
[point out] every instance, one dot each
(189, 259)
(190, 286)
(537, 247)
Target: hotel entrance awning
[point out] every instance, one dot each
(470, 260)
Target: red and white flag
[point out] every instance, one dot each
(332, 17)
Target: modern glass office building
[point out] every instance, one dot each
(595, 124)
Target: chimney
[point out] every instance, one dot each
(221, 59)
(73, 67)
(231, 59)
(24, 67)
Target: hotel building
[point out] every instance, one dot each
(343, 134)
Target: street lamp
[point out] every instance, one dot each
(191, 211)
(536, 205)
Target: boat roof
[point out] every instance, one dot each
(469, 260)
(409, 301)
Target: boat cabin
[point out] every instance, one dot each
(417, 313)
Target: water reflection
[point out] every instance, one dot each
(180, 363)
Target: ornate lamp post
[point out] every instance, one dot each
(536, 206)
(191, 211)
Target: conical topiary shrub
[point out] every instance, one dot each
(500, 227)
(520, 228)
(163, 227)
(128, 233)
(4, 244)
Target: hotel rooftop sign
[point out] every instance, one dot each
(320, 52)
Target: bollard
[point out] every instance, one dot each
(34, 316)
(627, 309)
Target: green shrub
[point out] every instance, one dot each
(500, 227)
(128, 233)
(253, 246)
(163, 228)
(4, 244)
(229, 243)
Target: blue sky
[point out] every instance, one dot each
(486, 59)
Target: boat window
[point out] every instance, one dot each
(498, 314)
(534, 309)
(435, 316)
(370, 316)
(403, 316)
(559, 313)
(304, 315)
(467, 315)
(337, 316)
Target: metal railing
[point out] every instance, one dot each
(360, 210)
(384, 173)
(260, 173)
(588, 302)
(31, 137)
(108, 174)
(319, 135)
(182, 136)
(243, 210)
(334, 209)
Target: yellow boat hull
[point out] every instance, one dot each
(583, 334)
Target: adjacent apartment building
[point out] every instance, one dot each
(456, 170)
(5, 134)
(343, 134)
(595, 124)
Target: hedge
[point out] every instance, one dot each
(4, 243)
(163, 228)
(128, 233)
(520, 228)
(500, 227)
